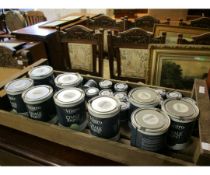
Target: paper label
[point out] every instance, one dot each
(201, 89)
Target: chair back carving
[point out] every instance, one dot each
(128, 54)
(34, 17)
(203, 22)
(83, 50)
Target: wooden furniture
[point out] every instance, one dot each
(202, 22)
(3, 26)
(80, 45)
(34, 17)
(130, 50)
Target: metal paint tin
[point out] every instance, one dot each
(104, 117)
(173, 95)
(14, 90)
(42, 75)
(90, 83)
(124, 111)
(183, 114)
(91, 92)
(149, 127)
(70, 106)
(161, 92)
(107, 92)
(105, 84)
(122, 96)
(39, 102)
(121, 87)
(67, 80)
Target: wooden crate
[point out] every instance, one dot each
(120, 151)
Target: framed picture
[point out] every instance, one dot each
(176, 66)
(172, 32)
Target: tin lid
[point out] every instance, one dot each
(37, 94)
(143, 96)
(151, 121)
(182, 109)
(174, 95)
(124, 105)
(190, 99)
(40, 72)
(17, 86)
(105, 84)
(122, 96)
(69, 97)
(68, 79)
(119, 87)
(107, 92)
(103, 106)
(92, 91)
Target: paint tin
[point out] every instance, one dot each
(149, 127)
(173, 95)
(70, 106)
(42, 75)
(104, 117)
(67, 80)
(14, 90)
(105, 84)
(91, 92)
(124, 111)
(161, 92)
(121, 87)
(107, 92)
(39, 102)
(183, 114)
(122, 96)
(90, 83)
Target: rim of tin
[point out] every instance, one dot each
(60, 80)
(105, 84)
(90, 81)
(42, 68)
(190, 99)
(149, 102)
(180, 112)
(120, 87)
(18, 90)
(154, 123)
(173, 95)
(107, 92)
(122, 96)
(35, 90)
(124, 105)
(91, 91)
(96, 106)
(69, 97)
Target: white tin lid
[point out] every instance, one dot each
(105, 84)
(69, 97)
(68, 80)
(37, 94)
(91, 91)
(40, 72)
(103, 106)
(119, 87)
(182, 110)
(174, 95)
(151, 121)
(124, 105)
(122, 96)
(17, 86)
(143, 96)
(107, 92)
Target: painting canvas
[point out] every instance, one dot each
(177, 66)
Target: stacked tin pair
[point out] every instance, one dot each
(161, 119)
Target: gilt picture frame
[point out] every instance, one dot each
(173, 31)
(176, 66)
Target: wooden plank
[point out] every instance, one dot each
(87, 143)
(202, 98)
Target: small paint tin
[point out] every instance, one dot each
(161, 92)
(173, 95)
(122, 96)
(149, 127)
(124, 111)
(70, 106)
(104, 117)
(66, 80)
(42, 75)
(90, 83)
(14, 90)
(91, 92)
(39, 102)
(107, 92)
(105, 84)
(121, 87)
(183, 114)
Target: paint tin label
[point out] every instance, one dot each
(17, 103)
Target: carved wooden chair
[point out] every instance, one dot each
(203, 22)
(34, 17)
(129, 54)
(203, 39)
(82, 49)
